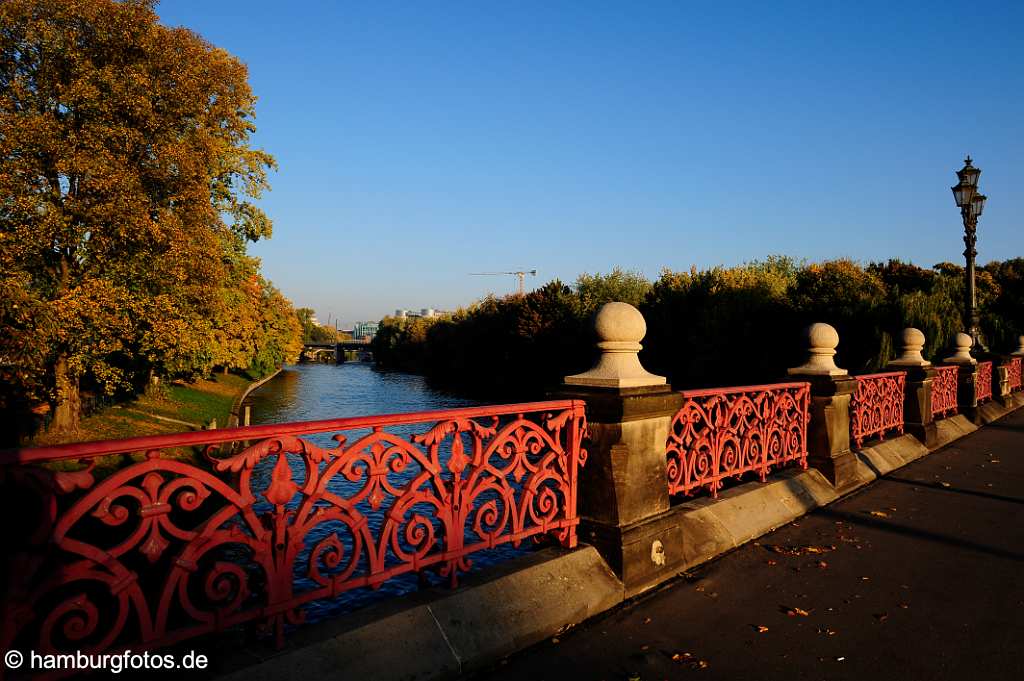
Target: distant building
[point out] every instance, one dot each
(364, 330)
(425, 312)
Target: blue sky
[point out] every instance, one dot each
(422, 141)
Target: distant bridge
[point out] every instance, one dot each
(317, 351)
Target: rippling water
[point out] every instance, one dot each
(322, 391)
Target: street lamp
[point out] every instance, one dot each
(971, 204)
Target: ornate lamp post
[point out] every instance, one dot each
(971, 204)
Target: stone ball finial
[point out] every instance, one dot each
(619, 323)
(823, 336)
(619, 327)
(963, 344)
(822, 341)
(1020, 346)
(913, 343)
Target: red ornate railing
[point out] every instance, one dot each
(726, 432)
(983, 382)
(1013, 371)
(877, 405)
(163, 550)
(944, 387)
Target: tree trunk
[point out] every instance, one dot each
(68, 408)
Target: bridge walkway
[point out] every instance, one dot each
(917, 576)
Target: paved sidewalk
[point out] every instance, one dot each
(917, 577)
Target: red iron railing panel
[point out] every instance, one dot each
(944, 387)
(877, 405)
(1013, 370)
(726, 432)
(164, 550)
(983, 382)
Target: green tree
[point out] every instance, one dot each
(125, 174)
(305, 315)
(594, 290)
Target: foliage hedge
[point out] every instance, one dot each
(714, 327)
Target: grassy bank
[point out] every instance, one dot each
(180, 407)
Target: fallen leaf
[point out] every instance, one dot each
(879, 514)
(703, 664)
(822, 564)
(904, 606)
(794, 611)
(799, 550)
(881, 616)
(761, 628)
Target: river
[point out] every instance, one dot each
(308, 392)
(324, 391)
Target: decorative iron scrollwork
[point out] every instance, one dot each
(727, 432)
(164, 550)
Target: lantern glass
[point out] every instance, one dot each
(963, 195)
(970, 176)
(978, 204)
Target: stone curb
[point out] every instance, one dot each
(444, 634)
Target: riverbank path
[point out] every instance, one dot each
(917, 577)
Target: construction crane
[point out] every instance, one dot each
(521, 274)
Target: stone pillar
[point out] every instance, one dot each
(624, 499)
(1001, 380)
(917, 404)
(966, 399)
(828, 437)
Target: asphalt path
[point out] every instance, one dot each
(918, 576)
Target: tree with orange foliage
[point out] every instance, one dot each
(126, 174)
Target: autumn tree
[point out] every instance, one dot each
(126, 173)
